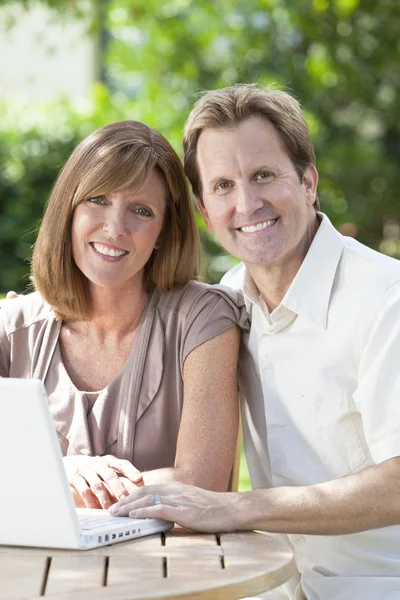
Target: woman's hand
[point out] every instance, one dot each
(99, 481)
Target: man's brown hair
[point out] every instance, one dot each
(111, 159)
(231, 106)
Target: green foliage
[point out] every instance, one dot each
(338, 57)
(28, 163)
(244, 477)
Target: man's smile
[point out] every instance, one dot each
(258, 226)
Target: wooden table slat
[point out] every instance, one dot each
(195, 565)
(123, 569)
(179, 538)
(75, 573)
(23, 577)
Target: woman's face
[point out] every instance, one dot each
(113, 236)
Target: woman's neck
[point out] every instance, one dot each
(114, 311)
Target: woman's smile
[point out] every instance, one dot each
(108, 252)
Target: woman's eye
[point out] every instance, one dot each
(143, 212)
(96, 200)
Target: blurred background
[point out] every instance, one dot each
(69, 67)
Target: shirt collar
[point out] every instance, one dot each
(250, 290)
(310, 291)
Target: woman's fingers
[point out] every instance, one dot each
(83, 490)
(129, 485)
(98, 488)
(79, 503)
(125, 468)
(100, 481)
(113, 482)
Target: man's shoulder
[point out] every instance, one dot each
(363, 264)
(235, 277)
(24, 311)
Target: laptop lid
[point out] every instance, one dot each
(36, 504)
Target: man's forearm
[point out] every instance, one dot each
(357, 502)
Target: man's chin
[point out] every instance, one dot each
(254, 256)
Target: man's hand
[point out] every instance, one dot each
(357, 502)
(186, 505)
(99, 481)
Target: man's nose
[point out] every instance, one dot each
(248, 200)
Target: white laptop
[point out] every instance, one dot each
(36, 504)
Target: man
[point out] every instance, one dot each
(318, 374)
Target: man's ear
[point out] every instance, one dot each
(310, 181)
(204, 214)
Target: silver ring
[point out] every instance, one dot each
(157, 499)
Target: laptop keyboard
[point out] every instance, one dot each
(88, 522)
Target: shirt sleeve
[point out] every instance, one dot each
(5, 348)
(213, 312)
(378, 392)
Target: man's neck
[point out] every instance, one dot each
(273, 280)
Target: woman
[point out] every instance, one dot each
(138, 358)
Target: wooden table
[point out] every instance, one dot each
(178, 564)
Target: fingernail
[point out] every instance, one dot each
(123, 495)
(132, 514)
(113, 509)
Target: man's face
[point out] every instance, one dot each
(253, 198)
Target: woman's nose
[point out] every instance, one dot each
(115, 225)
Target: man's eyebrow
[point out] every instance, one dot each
(261, 168)
(253, 172)
(216, 180)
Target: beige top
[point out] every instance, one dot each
(137, 415)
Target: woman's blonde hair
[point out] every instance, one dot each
(112, 159)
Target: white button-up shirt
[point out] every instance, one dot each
(320, 383)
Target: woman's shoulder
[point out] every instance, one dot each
(185, 296)
(197, 297)
(24, 311)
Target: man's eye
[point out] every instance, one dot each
(264, 176)
(223, 185)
